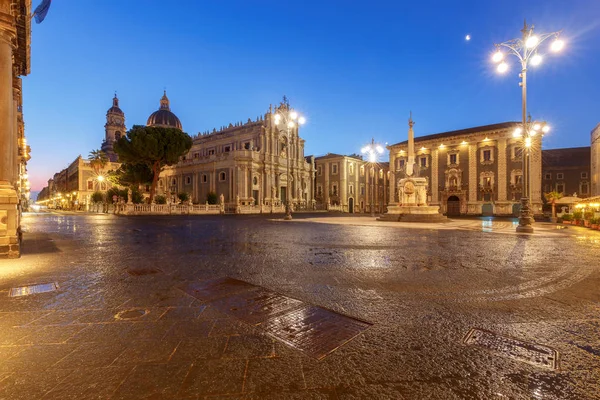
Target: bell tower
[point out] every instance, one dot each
(114, 129)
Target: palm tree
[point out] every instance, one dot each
(553, 197)
(98, 160)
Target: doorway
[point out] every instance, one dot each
(351, 205)
(283, 192)
(487, 210)
(453, 206)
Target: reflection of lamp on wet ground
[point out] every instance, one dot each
(527, 50)
(372, 151)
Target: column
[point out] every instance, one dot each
(9, 219)
(195, 194)
(502, 172)
(343, 184)
(473, 173)
(326, 182)
(435, 197)
(392, 197)
(535, 174)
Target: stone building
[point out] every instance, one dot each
(595, 161)
(567, 171)
(474, 171)
(350, 184)
(245, 162)
(114, 129)
(15, 37)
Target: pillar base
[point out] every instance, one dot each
(10, 240)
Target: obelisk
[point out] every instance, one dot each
(411, 147)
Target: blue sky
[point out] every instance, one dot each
(354, 68)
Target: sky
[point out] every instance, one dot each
(354, 69)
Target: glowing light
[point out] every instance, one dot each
(468, 37)
(517, 132)
(536, 127)
(502, 67)
(498, 56)
(546, 129)
(527, 142)
(291, 124)
(536, 59)
(301, 120)
(557, 45)
(379, 149)
(100, 178)
(423, 148)
(372, 157)
(463, 142)
(532, 41)
(442, 146)
(486, 139)
(294, 115)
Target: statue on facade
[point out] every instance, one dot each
(237, 199)
(129, 195)
(222, 199)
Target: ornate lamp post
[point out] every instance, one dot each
(372, 151)
(286, 120)
(527, 51)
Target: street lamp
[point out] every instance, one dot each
(286, 119)
(527, 51)
(372, 151)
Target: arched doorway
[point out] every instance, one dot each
(351, 205)
(453, 206)
(487, 210)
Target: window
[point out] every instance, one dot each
(560, 175)
(584, 175)
(362, 190)
(351, 189)
(380, 174)
(320, 170)
(211, 152)
(546, 188)
(147, 188)
(560, 188)
(222, 176)
(117, 135)
(583, 188)
(351, 168)
(319, 190)
(423, 162)
(362, 170)
(103, 186)
(402, 162)
(453, 158)
(255, 181)
(517, 152)
(188, 180)
(334, 169)
(227, 149)
(184, 158)
(334, 190)
(548, 175)
(174, 182)
(196, 155)
(487, 155)
(204, 178)
(247, 146)
(518, 179)
(90, 185)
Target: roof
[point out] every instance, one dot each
(467, 131)
(334, 155)
(569, 157)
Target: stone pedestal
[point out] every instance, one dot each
(412, 193)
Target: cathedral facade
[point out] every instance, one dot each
(474, 171)
(244, 163)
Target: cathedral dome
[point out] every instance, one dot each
(163, 116)
(115, 108)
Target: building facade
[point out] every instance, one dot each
(475, 171)
(595, 161)
(114, 129)
(350, 184)
(246, 163)
(567, 171)
(15, 37)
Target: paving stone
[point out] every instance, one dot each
(31, 385)
(190, 329)
(37, 358)
(147, 351)
(152, 382)
(182, 313)
(51, 334)
(92, 355)
(271, 375)
(249, 346)
(215, 377)
(93, 383)
(194, 349)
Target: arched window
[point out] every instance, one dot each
(188, 180)
(222, 176)
(117, 135)
(174, 182)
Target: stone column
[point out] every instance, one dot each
(9, 222)
(502, 172)
(535, 174)
(195, 194)
(325, 182)
(472, 175)
(343, 185)
(392, 197)
(434, 177)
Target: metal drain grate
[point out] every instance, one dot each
(531, 353)
(33, 289)
(314, 330)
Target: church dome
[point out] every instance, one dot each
(115, 107)
(163, 117)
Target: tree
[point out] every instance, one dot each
(553, 197)
(211, 198)
(98, 160)
(183, 197)
(153, 146)
(131, 175)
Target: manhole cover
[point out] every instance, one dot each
(143, 271)
(314, 330)
(131, 314)
(256, 306)
(216, 288)
(532, 353)
(33, 289)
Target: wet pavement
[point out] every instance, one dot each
(464, 310)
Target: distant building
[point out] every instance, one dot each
(595, 161)
(567, 171)
(245, 162)
(350, 184)
(474, 171)
(114, 129)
